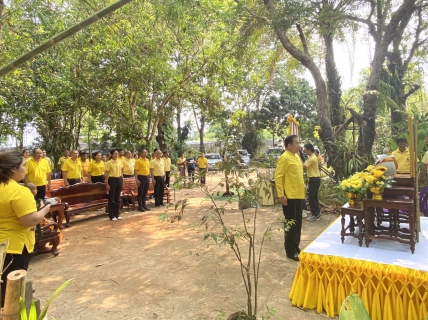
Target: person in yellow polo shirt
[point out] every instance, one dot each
(114, 178)
(142, 177)
(202, 167)
(167, 161)
(157, 173)
(72, 169)
(63, 159)
(291, 191)
(402, 155)
(84, 161)
(38, 172)
(48, 160)
(96, 168)
(18, 215)
(311, 165)
(128, 165)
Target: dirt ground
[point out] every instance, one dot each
(140, 268)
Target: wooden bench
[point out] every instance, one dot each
(47, 234)
(130, 191)
(59, 183)
(82, 197)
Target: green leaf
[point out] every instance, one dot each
(55, 294)
(22, 310)
(353, 308)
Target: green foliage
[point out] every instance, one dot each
(353, 308)
(251, 142)
(32, 315)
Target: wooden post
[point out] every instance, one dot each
(15, 289)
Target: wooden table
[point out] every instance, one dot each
(398, 191)
(60, 208)
(397, 208)
(402, 179)
(356, 216)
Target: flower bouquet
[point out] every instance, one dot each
(354, 188)
(375, 179)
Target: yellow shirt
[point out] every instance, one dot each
(312, 166)
(50, 163)
(142, 166)
(128, 166)
(114, 168)
(73, 169)
(403, 159)
(96, 169)
(167, 163)
(319, 158)
(62, 160)
(16, 201)
(289, 176)
(158, 167)
(425, 158)
(85, 166)
(181, 161)
(36, 171)
(202, 163)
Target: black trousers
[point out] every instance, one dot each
(73, 181)
(202, 174)
(142, 190)
(167, 174)
(17, 262)
(95, 179)
(191, 173)
(314, 185)
(293, 211)
(114, 196)
(41, 192)
(158, 190)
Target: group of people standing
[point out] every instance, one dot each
(191, 163)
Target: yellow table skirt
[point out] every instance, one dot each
(389, 292)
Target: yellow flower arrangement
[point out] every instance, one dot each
(354, 184)
(374, 177)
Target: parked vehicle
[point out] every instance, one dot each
(245, 157)
(274, 152)
(213, 160)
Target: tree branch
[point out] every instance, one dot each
(302, 38)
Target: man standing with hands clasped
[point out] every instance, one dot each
(291, 191)
(157, 173)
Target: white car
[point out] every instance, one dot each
(245, 157)
(213, 159)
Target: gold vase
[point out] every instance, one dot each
(377, 193)
(353, 198)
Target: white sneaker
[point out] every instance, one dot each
(114, 219)
(304, 214)
(119, 218)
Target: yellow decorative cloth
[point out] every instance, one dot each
(389, 292)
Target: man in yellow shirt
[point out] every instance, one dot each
(157, 173)
(72, 171)
(402, 155)
(167, 161)
(37, 171)
(63, 159)
(84, 162)
(142, 177)
(203, 167)
(311, 165)
(128, 165)
(291, 191)
(48, 160)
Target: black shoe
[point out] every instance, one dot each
(157, 205)
(294, 257)
(162, 205)
(145, 208)
(141, 209)
(298, 250)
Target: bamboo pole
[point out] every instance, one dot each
(415, 164)
(15, 289)
(63, 35)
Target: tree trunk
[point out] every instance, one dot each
(334, 85)
(201, 134)
(160, 138)
(178, 124)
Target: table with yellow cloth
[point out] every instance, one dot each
(392, 281)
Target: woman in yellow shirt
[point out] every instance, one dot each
(167, 161)
(18, 215)
(114, 178)
(96, 168)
